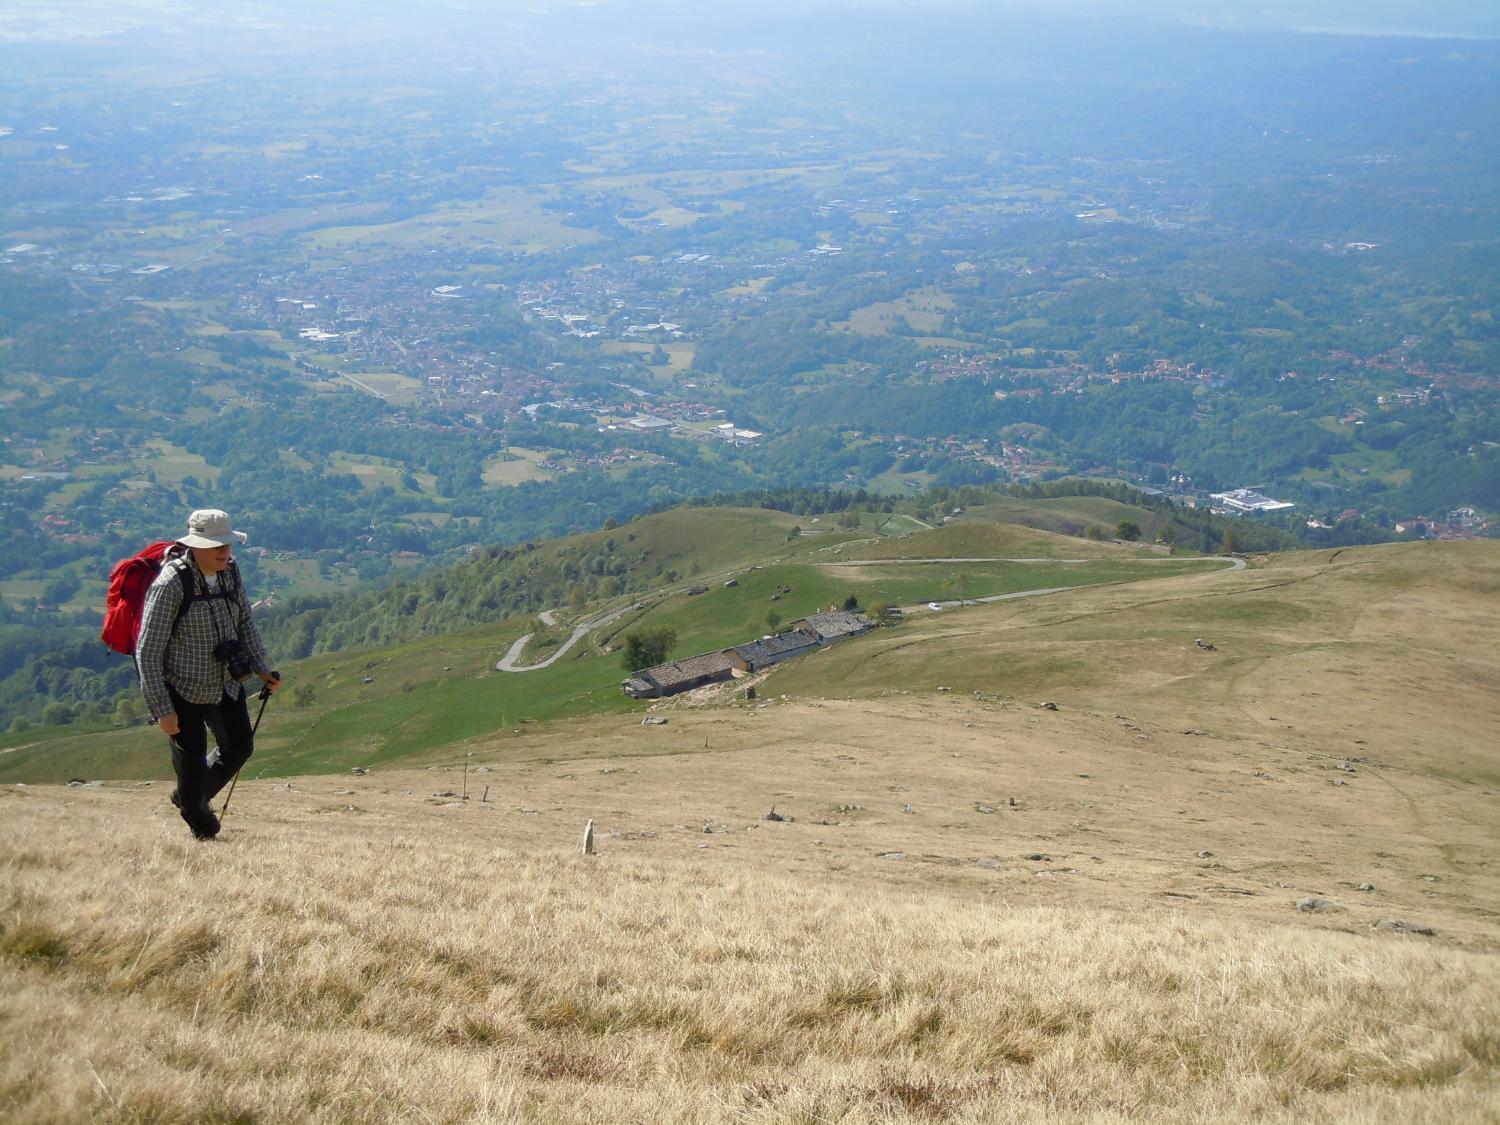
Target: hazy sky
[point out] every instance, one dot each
(51, 19)
(1447, 17)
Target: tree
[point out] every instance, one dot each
(60, 590)
(647, 647)
(851, 602)
(1231, 542)
(773, 619)
(1128, 530)
(129, 708)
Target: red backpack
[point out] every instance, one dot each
(128, 583)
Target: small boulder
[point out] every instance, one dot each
(1397, 926)
(1316, 906)
(1047, 705)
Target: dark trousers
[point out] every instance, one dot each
(198, 781)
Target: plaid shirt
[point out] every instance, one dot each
(183, 656)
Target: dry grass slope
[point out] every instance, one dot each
(979, 911)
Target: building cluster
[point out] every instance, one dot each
(1246, 501)
(807, 634)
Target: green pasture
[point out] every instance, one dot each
(421, 697)
(667, 216)
(391, 725)
(62, 499)
(682, 354)
(205, 357)
(966, 538)
(512, 218)
(292, 459)
(440, 519)
(924, 310)
(1068, 515)
(305, 576)
(1382, 464)
(172, 464)
(892, 482)
(749, 287)
(516, 465)
(722, 541)
(396, 388)
(373, 472)
(15, 591)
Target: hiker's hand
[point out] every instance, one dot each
(272, 679)
(168, 724)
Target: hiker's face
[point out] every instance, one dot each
(210, 560)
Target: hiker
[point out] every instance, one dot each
(192, 663)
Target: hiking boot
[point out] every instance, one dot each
(201, 820)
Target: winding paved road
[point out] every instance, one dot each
(507, 663)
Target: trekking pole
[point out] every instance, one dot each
(265, 697)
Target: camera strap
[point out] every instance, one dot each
(219, 591)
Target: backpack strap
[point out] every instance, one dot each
(189, 594)
(226, 591)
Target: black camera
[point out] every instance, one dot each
(232, 653)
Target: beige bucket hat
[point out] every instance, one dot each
(209, 527)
